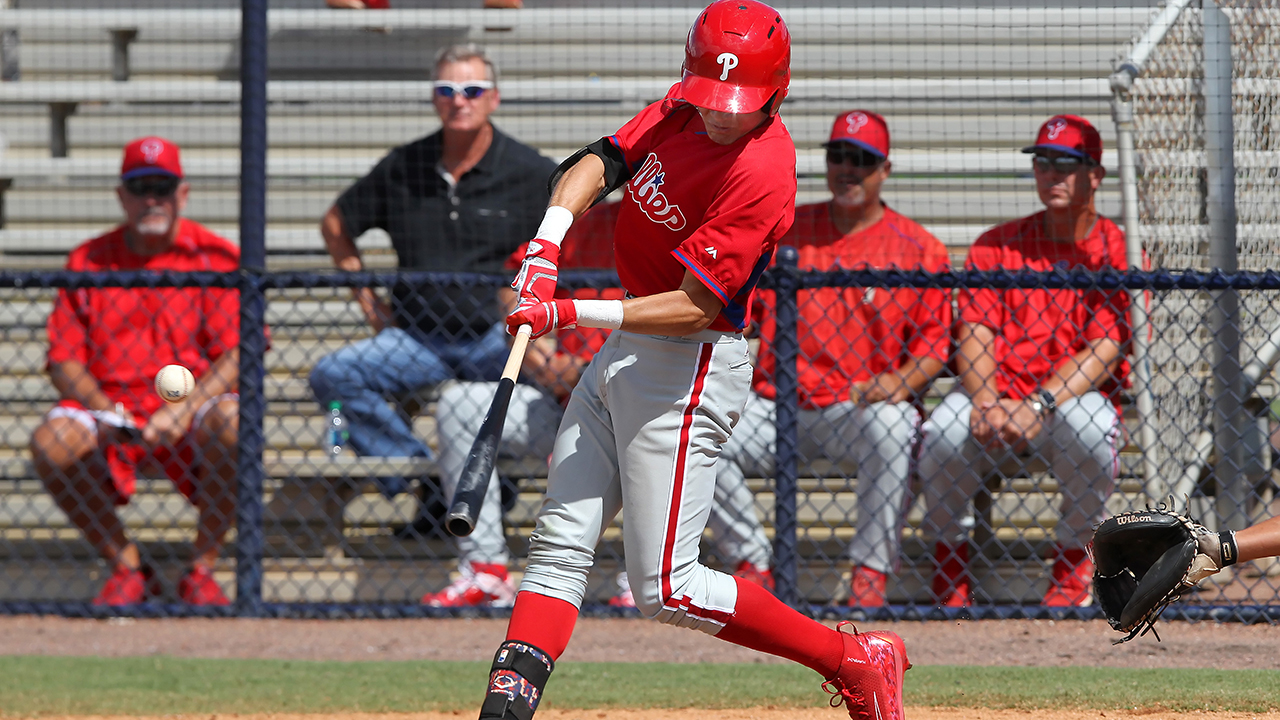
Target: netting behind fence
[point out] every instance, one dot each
(354, 106)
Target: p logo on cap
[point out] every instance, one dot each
(150, 156)
(1070, 134)
(865, 129)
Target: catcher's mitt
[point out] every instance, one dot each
(1144, 559)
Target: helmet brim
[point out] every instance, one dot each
(723, 96)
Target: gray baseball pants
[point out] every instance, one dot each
(643, 429)
(878, 437)
(1079, 442)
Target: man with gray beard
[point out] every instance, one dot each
(106, 346)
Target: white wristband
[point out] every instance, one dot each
(599, 313)
(554, 225)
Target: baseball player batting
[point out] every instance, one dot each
(709, 183)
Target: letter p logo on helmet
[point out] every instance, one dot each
(728, 61)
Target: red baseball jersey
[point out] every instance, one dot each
(717, 211)
(125, 335)
(1037, 330)
(587, 246)
(852, 334)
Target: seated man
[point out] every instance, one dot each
(106, 346)
(1040, 369)
(533, 416)
(866, 355)
(460, 200)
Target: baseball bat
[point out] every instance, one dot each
(474, 481)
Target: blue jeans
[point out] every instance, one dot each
(363, 375)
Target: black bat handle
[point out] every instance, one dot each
(472, 485)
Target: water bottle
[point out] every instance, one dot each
(337, 430)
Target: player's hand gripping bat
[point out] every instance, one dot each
(474, 481)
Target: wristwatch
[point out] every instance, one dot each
(1043, 402)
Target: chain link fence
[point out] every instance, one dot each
(347, 520)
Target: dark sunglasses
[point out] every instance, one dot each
(1064, 164)
(152, 186)
(470, 91)
(855, 156)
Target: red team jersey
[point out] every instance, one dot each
(1038, 330)
(125, 335)
(717, 211)
(851, 334)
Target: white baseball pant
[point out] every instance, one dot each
(879, 437)
(643, 430)
(529, 431)
(1078, 441)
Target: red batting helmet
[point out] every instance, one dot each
(737, 58)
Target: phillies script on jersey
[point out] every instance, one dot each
(692, 205)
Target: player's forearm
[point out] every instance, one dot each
(688, 310)
(975, 363)
(917, 373)
(222, 377)
(1085, 371)
(580, 186)
(1261, 540)
(74, 382)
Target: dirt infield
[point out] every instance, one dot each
(1030, 643)
(744, 714)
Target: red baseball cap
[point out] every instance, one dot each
(150, 156)
(865, 129)
(1070, 134)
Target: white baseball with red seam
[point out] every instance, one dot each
(174, 383)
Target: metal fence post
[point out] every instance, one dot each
(253, 219)
(786, 347)
(1228, 386)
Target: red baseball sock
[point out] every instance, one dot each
(544, 622)
(763, 622)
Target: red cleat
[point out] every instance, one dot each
(198, 587)
(759, 576)
(479, 585)
(952, 584)
(1072, 570)
(867, 587)
(126, 586)
(869, 681)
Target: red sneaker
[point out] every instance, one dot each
(952, 584)
(198, 587)
(869, 681)
(867, 587)
(760, 576)
(478, 585)
(126, 586)
(1072, 573)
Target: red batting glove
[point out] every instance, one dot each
(544, 317)
(538, 273)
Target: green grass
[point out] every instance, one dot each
(33, 686)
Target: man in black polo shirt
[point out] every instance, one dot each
(462, 200)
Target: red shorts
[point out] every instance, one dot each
(123, 459)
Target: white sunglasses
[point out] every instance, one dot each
(470, 90)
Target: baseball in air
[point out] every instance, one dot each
(174, 383)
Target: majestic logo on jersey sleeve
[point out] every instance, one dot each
(728, 61)
(643, 189)
(1055, 128)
